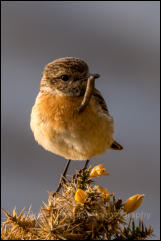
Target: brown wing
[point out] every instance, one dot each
(100, 100)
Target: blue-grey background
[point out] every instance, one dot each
(118, 39)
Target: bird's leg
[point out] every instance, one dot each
(62, 177)
(86, 165)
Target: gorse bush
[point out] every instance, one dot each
(83, 210)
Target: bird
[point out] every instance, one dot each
(70, 117)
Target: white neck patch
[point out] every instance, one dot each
(55, 92)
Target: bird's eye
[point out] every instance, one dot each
(65, 77)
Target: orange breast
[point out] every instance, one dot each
(59, 128)
(61, 111)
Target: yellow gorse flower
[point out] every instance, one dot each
(80, 196)
(133, 203)
(104, 192)
(98, 171)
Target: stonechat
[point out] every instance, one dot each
(70, 117)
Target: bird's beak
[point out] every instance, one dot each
(96, 76)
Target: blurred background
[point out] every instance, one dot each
(118, 39)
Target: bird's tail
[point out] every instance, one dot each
(116, 146)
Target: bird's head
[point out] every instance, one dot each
(65, 76)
